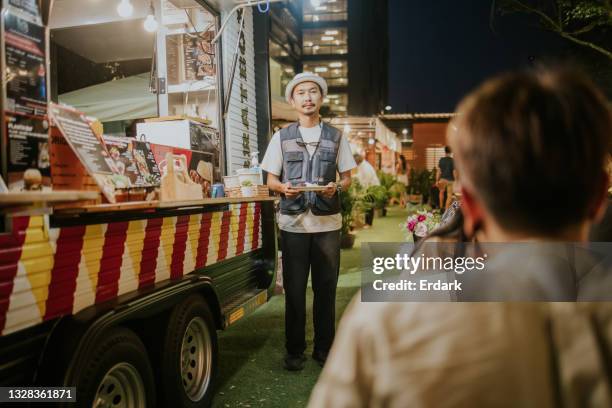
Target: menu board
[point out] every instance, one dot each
(190, 57)
(28, 7)
(122, 161)
(199, 56)
(26, 89)
(199, 164)
(28, 148)
(88, 147)
(145, 163)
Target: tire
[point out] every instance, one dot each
(117, 371)
(189, 356)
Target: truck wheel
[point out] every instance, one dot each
(189, 358)
(116, 374)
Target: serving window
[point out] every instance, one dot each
(158, 61)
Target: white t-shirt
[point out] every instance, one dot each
(307, 222)
(366, 174)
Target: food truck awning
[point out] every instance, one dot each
(123, 99)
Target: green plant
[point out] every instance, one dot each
(378, 195)
(247, 183)
(355, 199)
(397, 189)
(386, 180)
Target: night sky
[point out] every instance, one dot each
(440, 50)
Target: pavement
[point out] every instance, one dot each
(251, 372)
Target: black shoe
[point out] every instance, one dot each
(320, 357)
(294, 362)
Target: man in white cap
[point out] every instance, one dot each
(309, 152)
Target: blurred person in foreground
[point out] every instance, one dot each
(542, 137)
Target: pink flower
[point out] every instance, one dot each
(421, 217)
(411, 225)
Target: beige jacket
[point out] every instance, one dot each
(469, 355)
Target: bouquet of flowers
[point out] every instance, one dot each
(421, 223)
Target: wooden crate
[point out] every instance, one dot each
(262, 192)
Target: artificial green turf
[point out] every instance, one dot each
(251, 370)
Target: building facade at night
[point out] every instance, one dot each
(344, 41)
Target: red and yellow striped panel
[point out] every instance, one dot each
(46, 273)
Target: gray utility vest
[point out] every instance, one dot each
(299, 168)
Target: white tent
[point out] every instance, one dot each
(123, 99)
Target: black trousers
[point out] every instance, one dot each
(319, 253)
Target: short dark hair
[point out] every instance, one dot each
(447, 149)
(533, 147)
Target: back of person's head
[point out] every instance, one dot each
(531, 147)
(447, 149)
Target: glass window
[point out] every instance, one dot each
(334, 72)
(327, 10)
(325, 41)
(337, 104)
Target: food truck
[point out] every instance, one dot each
(115, 275)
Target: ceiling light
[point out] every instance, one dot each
(321, 8)
(388, 108)
(336, 65)
(125, 9)
(315, 3)
(331, 32)
(150, 23)
(327, 38)
(405, 132)
(320, 69)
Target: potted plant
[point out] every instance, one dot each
(362, 203)
(378, 196)
(421, 223)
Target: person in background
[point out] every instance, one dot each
(366, 175)
(437, 354)
(402, 177)
(309, 151)
(445, 177)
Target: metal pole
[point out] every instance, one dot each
(233, 70)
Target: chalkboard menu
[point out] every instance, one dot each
(88, 147)
(26, 90)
